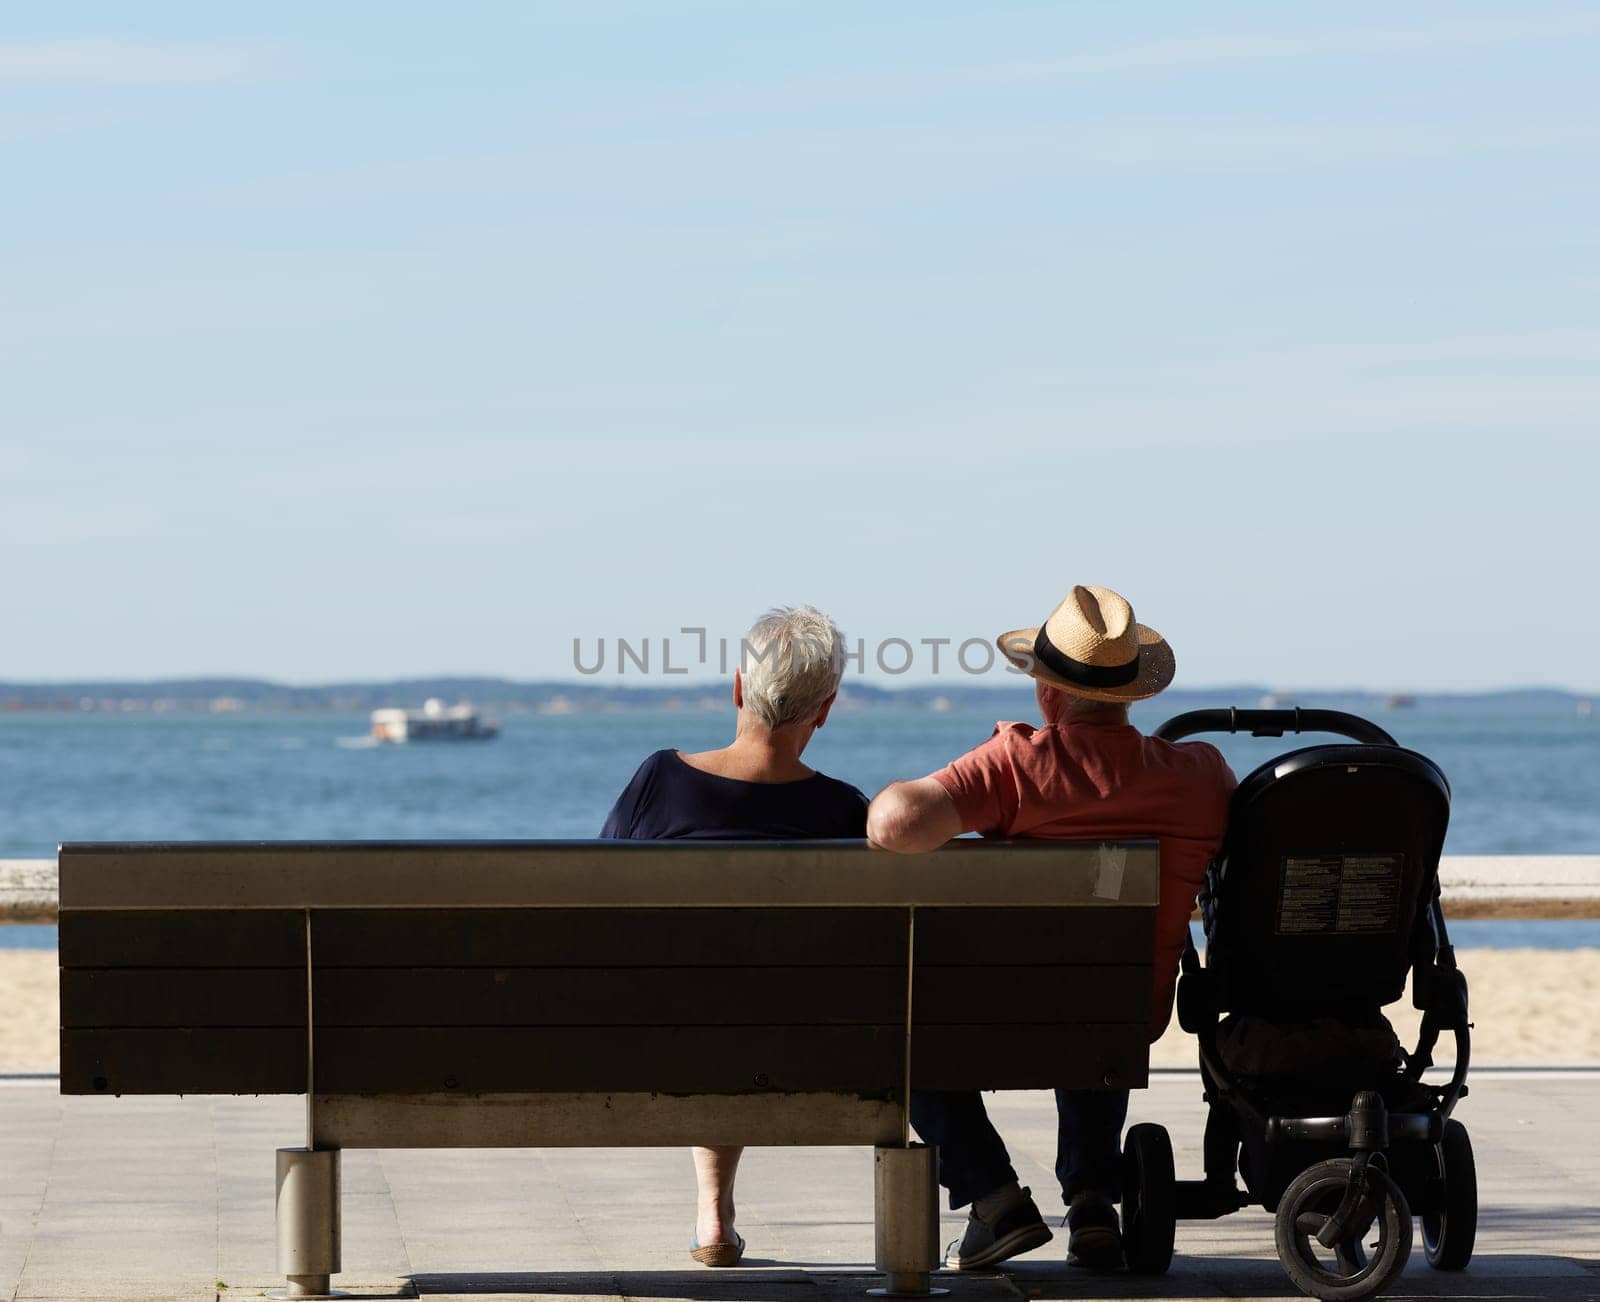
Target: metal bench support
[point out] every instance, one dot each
(906, 1217)
(308, 1222)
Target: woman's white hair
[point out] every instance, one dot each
(792, 660)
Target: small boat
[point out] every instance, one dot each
(1276, 701)
(1399, 701)
(435, 721)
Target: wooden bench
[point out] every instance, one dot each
(605, 994)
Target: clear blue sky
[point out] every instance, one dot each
(370, 339)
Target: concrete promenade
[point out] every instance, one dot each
(172, 1199)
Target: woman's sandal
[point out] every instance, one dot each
(718, 1254)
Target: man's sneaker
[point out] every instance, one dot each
(1016, 1229)
(1094, 1236)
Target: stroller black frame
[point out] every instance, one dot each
(1330, 1179)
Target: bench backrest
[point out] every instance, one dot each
(427, 972)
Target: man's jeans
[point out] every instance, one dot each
(972, 1157)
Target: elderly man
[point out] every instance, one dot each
(1087, 774)
(754, 788)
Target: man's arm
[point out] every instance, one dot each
(910, 817)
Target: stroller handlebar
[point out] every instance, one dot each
(1273, 723)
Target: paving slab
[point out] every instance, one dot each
(171, 1199)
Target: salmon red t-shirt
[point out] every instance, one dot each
(1091, 781)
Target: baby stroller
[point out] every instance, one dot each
(1324, 895)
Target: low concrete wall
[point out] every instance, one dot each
(1521, 886)
(27, 890)
(1475, 886)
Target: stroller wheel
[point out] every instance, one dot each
(1149, 1193)
(1346, 1272)
(1448, 1234)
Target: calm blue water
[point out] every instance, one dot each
(1484, 933)
(27, 935)
(1523, 784)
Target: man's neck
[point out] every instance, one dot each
(1101, 714)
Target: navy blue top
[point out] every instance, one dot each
(669, 798)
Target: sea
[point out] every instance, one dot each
(1525, 781)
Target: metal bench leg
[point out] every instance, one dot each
(906, 1214)
(308, 1222)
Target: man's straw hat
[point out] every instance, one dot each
(1092, 646)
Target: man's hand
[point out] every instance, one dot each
(910, 817)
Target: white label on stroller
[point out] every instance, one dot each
(1340, 893)
(1108, 876)
(1369, 896)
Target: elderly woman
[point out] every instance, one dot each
(754, 788)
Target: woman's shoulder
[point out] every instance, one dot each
(840, 791)
(660, 770)
(638, 796)
(666, 763)
(832, 808)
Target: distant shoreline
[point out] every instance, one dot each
(211, 696)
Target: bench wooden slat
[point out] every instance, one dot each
(656, 874)
(249, 997)
(633, 996)
(183, 938)
(1030, 1057)
(211, 1060)
(1024, 995)
(983, 937)
(731, 937)
(686, 1060)
(154, 997)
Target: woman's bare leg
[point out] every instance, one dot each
(714, 1169)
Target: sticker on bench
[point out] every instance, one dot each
(1110, 864)
(1347, 894)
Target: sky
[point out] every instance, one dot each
(369, 340)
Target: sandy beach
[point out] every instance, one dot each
(28, 1013)
(1529, 1005)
